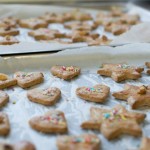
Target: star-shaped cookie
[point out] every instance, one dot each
(4, 124)
(120, 72)
(46, 97)
(81, 142)
(145, 144)
(51, 122)
(65, 72)
(98, 93)
(22, 145)
(6, 82)
(114, 122)
(136, 96)
(28, 79)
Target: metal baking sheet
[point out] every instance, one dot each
(89, 59)
(29, 45)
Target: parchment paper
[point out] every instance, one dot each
(76, 110)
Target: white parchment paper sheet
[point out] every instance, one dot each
(76, 110)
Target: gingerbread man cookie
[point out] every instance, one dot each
(4, 124)
(136, 96)
(65, 73)
(85, 141)
(28, 79)
(114, 122)
(23, 145)
(33, 23)
(46, 97)
(120, 72)
(98, 93)
(6, 82)
(4, 98)
(46, 34)
(51, 122)
(8, 40)
(145, 144)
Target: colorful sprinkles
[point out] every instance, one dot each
(97, 90)
(71, 68)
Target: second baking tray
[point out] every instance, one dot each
(28, 45)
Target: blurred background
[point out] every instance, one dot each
(80, 3)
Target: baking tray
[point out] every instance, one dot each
(28, 45)
(89, 59)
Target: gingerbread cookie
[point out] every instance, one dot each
(28, 79)
(98, 93)
(6, 82)
(145, 144)
(114, 122)
(130, 19)
(148, 66)
(46, 34)
(46, 97)
(33, 23)
(136, 96)
(23, 145)
(81, 142)
(82, 26)
(65, 73)
(4, 124)
(116, 28)
(4, 98)
(80, 16)
(120, 72)
(8, 40)
(82, 36)
(56, 18)
(8, 31)
(51, 122)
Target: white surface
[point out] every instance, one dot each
(89, 59)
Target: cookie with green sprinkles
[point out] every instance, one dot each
(98, 93)
(28, 79)
(51, 122)
(120, 72)
(46, 97)
(81, 142)
(114, 122)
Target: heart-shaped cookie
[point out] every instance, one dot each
(4, 98)
(28, 79)
(47, 96)
(4, 124)
(65, 73)
(80, 142)
(6, 82)
(98, 93)
(51, 122)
